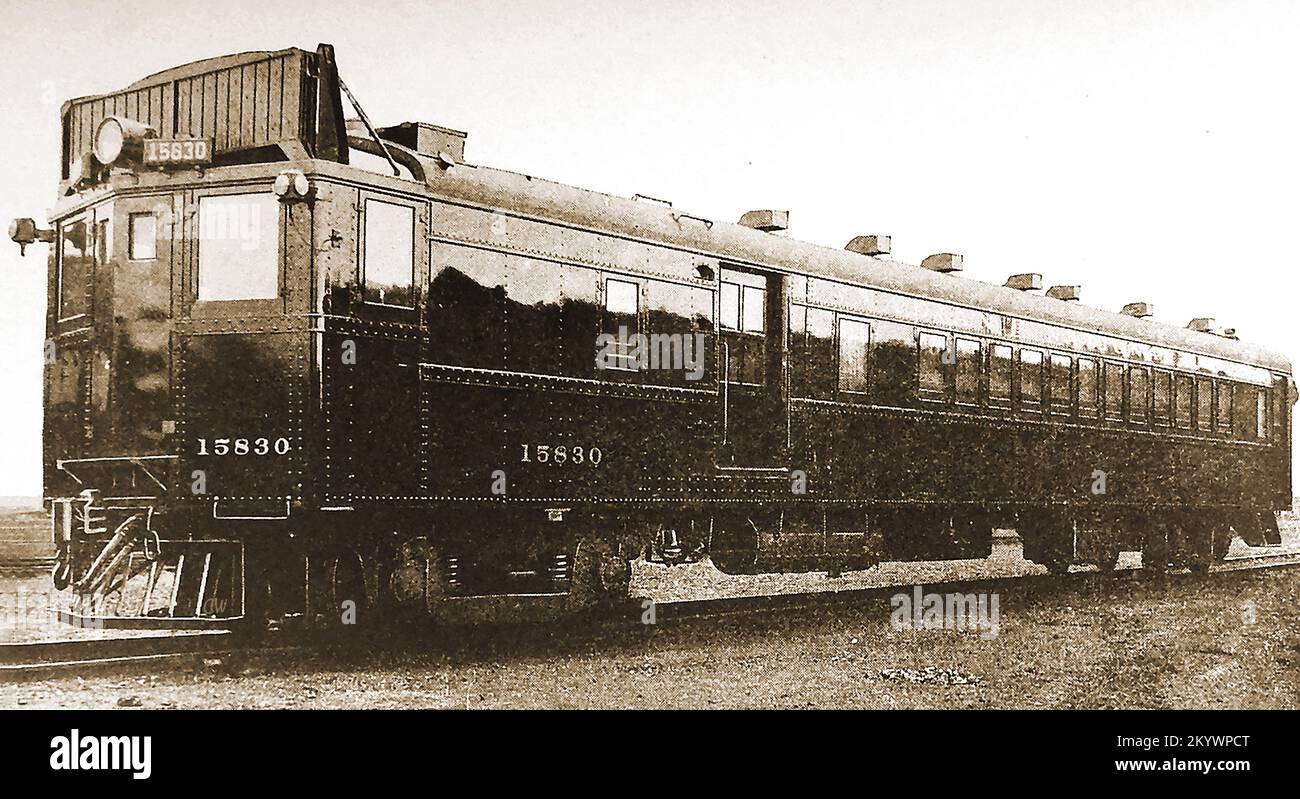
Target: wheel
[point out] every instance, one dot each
(347, 584)
(602, 574)
(1048, 539)
(415, 582)
(733, 547)
(1108, 559)
(1220, 542)
(1155, 548)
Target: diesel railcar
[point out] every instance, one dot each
(296, 360)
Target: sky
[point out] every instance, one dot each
(1144, 150)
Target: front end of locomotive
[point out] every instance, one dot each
(179, 342)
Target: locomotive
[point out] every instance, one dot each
(296, 361)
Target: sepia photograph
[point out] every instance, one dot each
(557, 355)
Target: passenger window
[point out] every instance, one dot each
(752, 309)
(729, 306)
(1087, 388)
(1114, 379)
(1138, 398)
(1163, 390)
(239, 248)
(622, 313)
(1204, 405)
(1031, 379)
(74, 268)
(388, 258)
(1261, 414)
(968, 371)
(931, 377)
(1223, 406)
(142, 234)
(855, 340)
(893, 364)
(679, 321)
(1000, 373)
(1183, 402)
(742, 307)
(813, 370)
(1059, 384)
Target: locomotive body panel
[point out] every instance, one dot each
(332, 365)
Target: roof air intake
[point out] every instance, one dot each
(1068, 293)
(869, 245)
(766, 221)
(1029, 281)
(942, 262)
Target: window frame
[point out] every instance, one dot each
(1052, 392)
(131, 237)
(1129, 403)
(956, 367)
(944, 393)
(1162, 378)
(1262, 406)
(723, 286)
(1184, 385)
(85, 218)
(1204, 426)
(1118, 413)
(607, 314)
(997, 401)
(362, 276)
(1037, 406)
(1223, 406)
(204, 307)
(1093, 409)
(840, 320)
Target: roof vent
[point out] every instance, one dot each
(942, 262)
(1231, 332)
(1068, 293)
(868, 245)
(1202, 324)
(1029, 281)
(766, 221)
(1138, 309)
(433, 141)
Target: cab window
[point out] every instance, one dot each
(238, 246)
(74, 268)
(388, 254)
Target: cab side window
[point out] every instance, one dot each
(74, 268)
(142, 237)
(388, 254)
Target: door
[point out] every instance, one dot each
(753, 322)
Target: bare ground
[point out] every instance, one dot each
(1230, 640)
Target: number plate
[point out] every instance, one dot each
(182, 152)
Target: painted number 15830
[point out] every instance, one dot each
(243, 446)
(561, 454)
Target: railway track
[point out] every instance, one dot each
(37, 660)
(714, 608)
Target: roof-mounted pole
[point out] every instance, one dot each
(366, 121)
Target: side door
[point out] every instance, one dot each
(753, 331)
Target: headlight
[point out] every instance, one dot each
(119, 137)
(292, 184)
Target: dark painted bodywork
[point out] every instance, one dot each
(434, 426)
